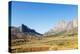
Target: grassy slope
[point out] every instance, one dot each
(48, 43)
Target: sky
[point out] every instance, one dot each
(41, 16)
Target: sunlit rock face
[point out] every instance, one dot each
(65, 27)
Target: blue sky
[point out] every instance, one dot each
(41, 16)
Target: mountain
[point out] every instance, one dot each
(23, 32)
(23, 28)
(64, 27)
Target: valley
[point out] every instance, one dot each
(63, 37)
(47, 43)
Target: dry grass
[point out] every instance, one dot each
(46, 43)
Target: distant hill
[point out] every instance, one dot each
(64, 27)
(23, 32)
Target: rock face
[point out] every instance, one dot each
(23, 28)
(64, 27)
(23, 32)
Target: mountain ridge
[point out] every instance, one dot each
(63, 26)
(22, 32)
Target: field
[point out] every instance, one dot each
(45, 43)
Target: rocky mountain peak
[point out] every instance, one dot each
(23, 31)
(64, 26)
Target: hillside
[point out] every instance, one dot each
(23, 32)
(63, 37)
(64, 27)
